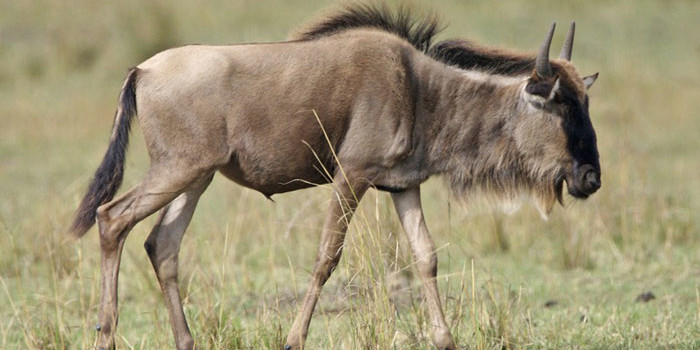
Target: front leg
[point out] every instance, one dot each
(410, 212)
(345, 200)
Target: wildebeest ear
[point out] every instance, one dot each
(541, 89)
(589, 80)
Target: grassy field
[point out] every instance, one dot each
(508, 282)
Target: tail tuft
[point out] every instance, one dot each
(109, 175)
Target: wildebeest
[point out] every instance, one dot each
(359, 99)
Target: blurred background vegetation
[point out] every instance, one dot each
(508, 281)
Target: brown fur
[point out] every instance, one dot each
(285, 116)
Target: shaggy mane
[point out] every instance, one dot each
(403, 23)
(468, 55)
(419, 32)
(506, 185)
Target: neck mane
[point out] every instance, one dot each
(420, 32)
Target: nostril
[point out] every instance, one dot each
(591, 181)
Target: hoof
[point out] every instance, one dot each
(98, 328)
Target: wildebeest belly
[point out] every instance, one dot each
(275, 163)
(270, 180)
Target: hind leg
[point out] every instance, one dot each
(115, 220)
(163, 247)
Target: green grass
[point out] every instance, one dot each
(246, 262)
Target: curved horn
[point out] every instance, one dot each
(568, 46)
(542, 67)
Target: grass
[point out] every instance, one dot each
(245, 261)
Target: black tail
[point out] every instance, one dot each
(108, 176)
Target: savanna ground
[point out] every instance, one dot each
(246, 261)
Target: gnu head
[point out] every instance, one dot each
(558, 104)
